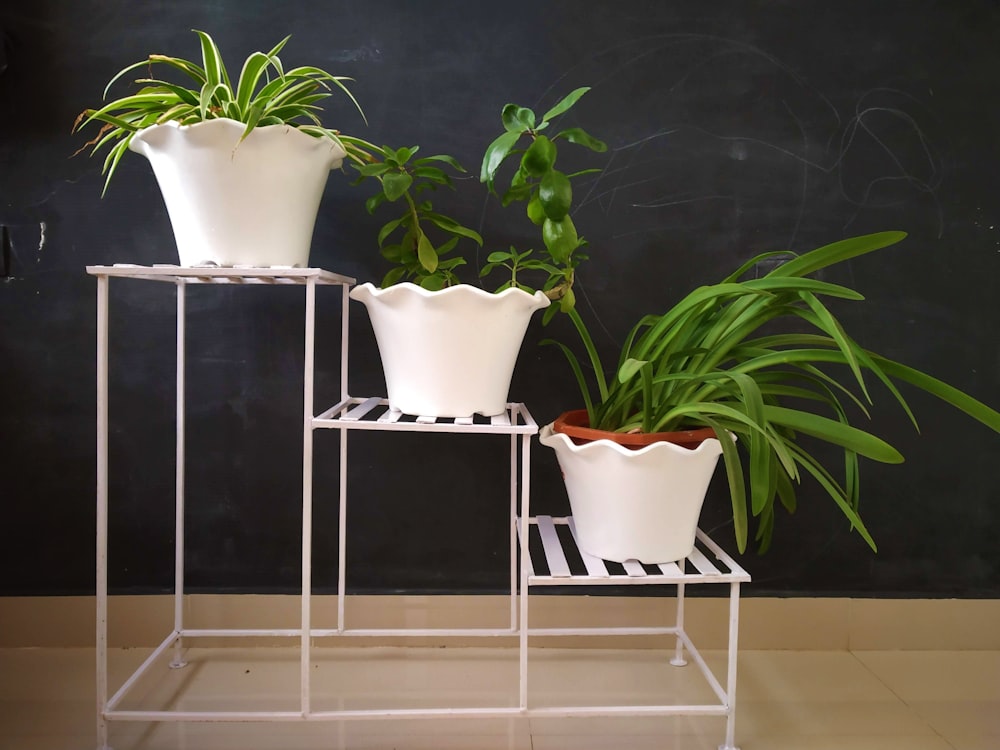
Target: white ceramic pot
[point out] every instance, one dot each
(449, 353)
(230, 203)
(635, 504)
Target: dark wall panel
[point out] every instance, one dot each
(733, 127)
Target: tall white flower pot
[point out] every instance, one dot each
(251, 203)
(449, 353)
(632, 504)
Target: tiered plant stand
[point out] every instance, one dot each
(708, 564)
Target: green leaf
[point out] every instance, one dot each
(515, 193)
(432, 174)
(387, 230)
(374, 202)
(433, 283)
(582, 138)
(859, 441)
(253, 69)
(834, 490)
(395, 184)
(426, 253)
(123, 71)
(446, 248)
(372, 170)
(403, 155)
(450, 225)
(548, 314)
(837, 252)
(565, 103)
(498, 256)
(215, 70)
(517, 119)
(190, 69)
(449, 160)
(208, 94)
(496, 152)
(568, 301)
(629, 369)
(393, 277)
(393, 253)
(947, 393)
(734, 475)
(186, 95)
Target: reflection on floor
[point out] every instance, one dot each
(786, 700)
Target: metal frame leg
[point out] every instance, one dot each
(101, 589)
(525, 514)
(734, 632)
(345, 313)
(178, 661)
(513, 523)
(307, 450)
(678, 660)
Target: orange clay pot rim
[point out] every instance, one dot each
(574, 423)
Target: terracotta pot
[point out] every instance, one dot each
(576, 425)
(633, 502)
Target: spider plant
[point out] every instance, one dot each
(265, 94)
(707, 363)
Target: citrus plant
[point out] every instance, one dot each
(547, 192)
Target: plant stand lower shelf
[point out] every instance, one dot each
(549, 558)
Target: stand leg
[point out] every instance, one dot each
(679, 660)
(102, 512)
(342, 517)
(513, 524)
(525, 514)
(307, 478)
(734, 629)
(178, 661)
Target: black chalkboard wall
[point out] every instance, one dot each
(734, 127)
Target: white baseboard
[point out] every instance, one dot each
(765, 623)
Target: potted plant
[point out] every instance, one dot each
(705, 365)
(448, 349)
(241, 164)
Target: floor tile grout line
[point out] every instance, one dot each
(901, 699)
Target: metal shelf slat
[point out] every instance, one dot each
(373, 413)
(702, 570)
(555, 558)
(221, 274)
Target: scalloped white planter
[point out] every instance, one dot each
(449, 353)
(635, 504)
(252, 203)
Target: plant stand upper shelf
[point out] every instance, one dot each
(553, 536)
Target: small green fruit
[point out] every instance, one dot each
(556, 194)
(539, 157)
(560, 238)
(535, 211)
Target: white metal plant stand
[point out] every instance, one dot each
(708, 564)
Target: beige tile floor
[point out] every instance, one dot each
(787, 700)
